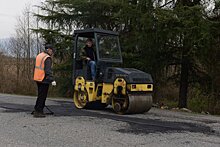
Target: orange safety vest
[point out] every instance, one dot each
(39, 72)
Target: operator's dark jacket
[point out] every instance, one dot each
(88, 52)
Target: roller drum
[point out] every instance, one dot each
(139, 103)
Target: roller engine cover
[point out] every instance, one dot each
(131, 75)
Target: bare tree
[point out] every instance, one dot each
(22, 48)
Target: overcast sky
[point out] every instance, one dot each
(10, 10)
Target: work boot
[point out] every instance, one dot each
(38, 114)
(32, 113)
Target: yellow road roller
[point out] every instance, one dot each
(127, 90)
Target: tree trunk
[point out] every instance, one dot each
(184, 82)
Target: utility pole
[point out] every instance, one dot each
(29, 48)
(38, 50)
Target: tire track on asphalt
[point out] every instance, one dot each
(137, 125)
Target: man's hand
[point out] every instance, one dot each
(54, 83)
(87, 58)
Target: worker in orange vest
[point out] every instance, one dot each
(43, 77)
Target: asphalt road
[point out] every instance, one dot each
(101, 128)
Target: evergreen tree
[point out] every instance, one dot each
(156, 36)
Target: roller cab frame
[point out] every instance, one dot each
(127, 90)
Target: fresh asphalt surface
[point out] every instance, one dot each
(101, 128)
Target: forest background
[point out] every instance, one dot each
(176, 41)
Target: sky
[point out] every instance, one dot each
(10, 10)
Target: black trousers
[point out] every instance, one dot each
(42, 95)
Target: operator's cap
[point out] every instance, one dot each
(47, 46)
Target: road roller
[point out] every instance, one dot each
(126, 90)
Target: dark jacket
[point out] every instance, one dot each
(88, 52)
(48, 71)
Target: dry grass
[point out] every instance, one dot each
(15, 78)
